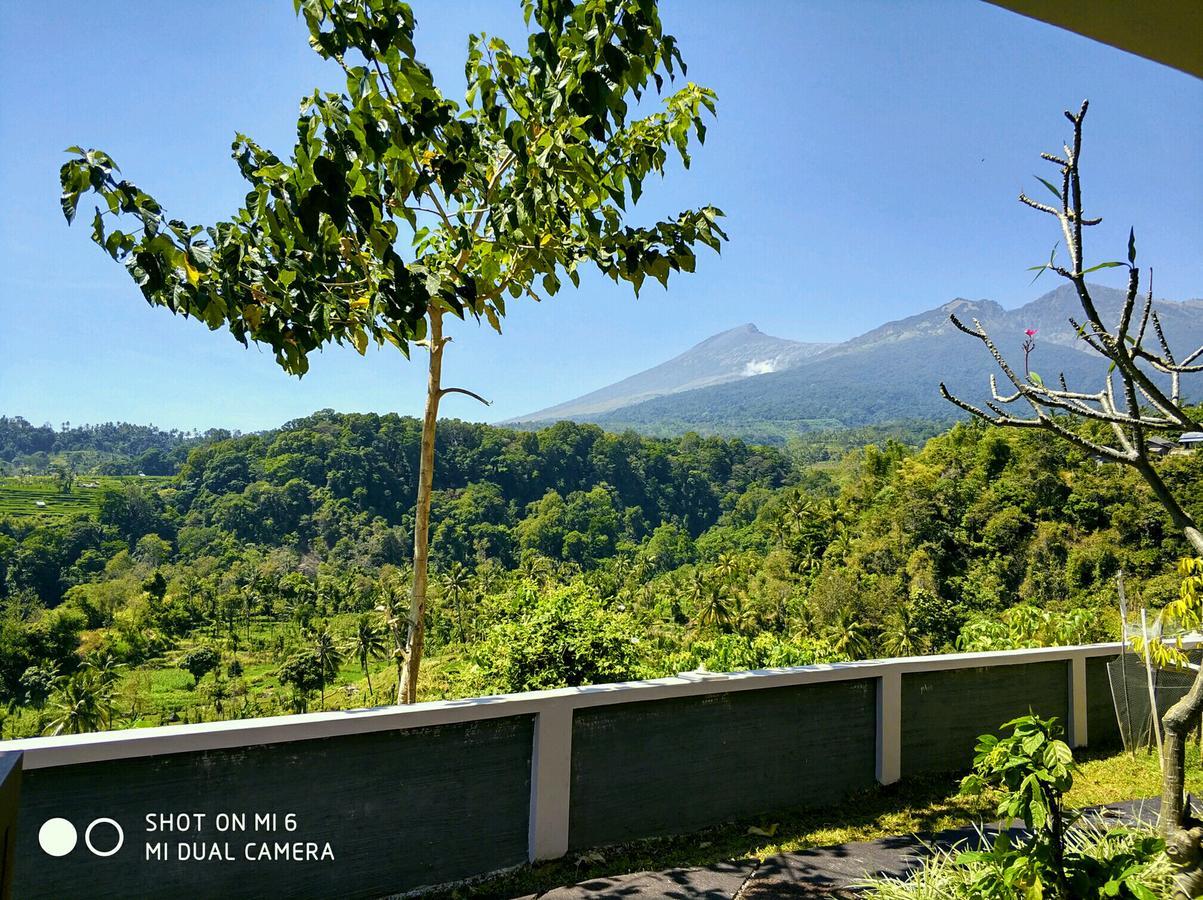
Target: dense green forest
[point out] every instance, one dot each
(110, 448)
(262, 576)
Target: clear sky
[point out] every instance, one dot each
(868, 155)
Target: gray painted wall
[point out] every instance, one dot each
(427, 795)
(1102, 727)
(944, 712)
(10, 796)
(677, 765)
(400, 809)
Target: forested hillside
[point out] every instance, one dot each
(109, 448)
(263, 576)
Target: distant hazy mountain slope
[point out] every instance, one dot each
(728, 356)
(894, 371)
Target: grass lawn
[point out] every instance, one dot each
(914, 805)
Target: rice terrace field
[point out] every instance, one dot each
(40, 496)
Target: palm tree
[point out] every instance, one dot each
(902, 635)
(798, 508)
(847, 634)
(394, 606)
(696, 591)
(841, 540)
(329, 657)
(250, 601)
(741, 617)
(537, 568)
(367, 644)
(104, 670)
(713, 609)
(218, 694)
(727, 566)
(456, 582)
(77, 706)
(807, 625)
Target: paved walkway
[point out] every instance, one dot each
(823, 873)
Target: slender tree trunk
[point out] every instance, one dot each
(407, 686)
(1178, 719)
(371, 690)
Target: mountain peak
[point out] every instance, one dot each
(740, 352)
(960, 304)
(742, 375)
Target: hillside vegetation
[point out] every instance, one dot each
(260, 578)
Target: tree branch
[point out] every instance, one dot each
(475, 396)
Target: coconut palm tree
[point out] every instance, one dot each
(368, 644)
(77, 706)
(798, 509)
(394, 606)
(727, 567)
(329, 657)
(902, 635)
(741, 618)
(807, 624)
(218, 695)
(713, 609)
(456, 582)
(847, 634)
(105, 669)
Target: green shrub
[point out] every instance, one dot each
(564, 637)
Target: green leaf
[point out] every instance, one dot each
(1036, 379)
(1102, 265)
(1131, 246)
(1052, 190)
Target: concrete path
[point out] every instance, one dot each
(822, 873)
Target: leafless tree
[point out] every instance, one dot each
(1139, 396)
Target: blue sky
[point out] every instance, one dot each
(867, 154)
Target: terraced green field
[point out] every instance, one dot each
(39, 496)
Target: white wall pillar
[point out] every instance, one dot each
(1078, 736)
(550, 782)
(889, 726)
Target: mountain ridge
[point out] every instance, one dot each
(738, 352)
(889, 373)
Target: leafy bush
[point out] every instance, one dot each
(564, 637)
(200, 662)
(1127, 861)
(1034, 769)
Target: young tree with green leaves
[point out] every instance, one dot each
(200, 662)
(527, 181)
(303, 671)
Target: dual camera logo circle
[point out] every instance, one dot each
(58, 837)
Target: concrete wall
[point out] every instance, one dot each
(439, 792)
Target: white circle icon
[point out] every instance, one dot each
(88, 837)
(57, 837)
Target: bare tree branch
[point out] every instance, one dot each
(472, 394)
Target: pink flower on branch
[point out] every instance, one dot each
(1029, 344)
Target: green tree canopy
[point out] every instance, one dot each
(524, 182)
